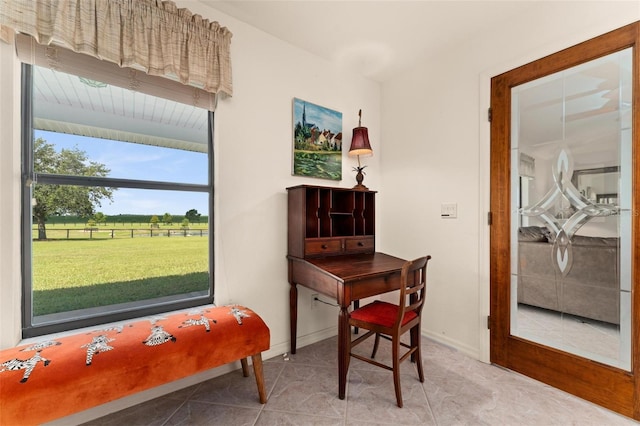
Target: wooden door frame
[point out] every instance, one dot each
(607, 386)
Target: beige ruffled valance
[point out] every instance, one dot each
(150, 35)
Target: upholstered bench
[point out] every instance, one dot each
(53, 378)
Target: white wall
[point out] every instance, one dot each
(435, 149)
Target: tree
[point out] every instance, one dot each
(100, 217)
(65, 199)
(154, 221)
(193, 215)
(167, 219)
(185, 223)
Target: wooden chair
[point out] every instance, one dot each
(391, 322)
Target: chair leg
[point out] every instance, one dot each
(396, 369)
(375, 346)
(418, 354)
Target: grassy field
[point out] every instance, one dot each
(76, 274)
(319, 164)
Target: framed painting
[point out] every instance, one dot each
(317, 141)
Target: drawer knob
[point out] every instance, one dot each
(360, 244)
(324, 247)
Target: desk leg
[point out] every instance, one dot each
(293, 315)
(344, 334)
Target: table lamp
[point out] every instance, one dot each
(360, 146)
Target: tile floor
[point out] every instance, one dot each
(302, 390)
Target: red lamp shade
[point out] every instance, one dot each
(360, 146)
(360, 142)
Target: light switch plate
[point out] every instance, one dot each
(449, 210)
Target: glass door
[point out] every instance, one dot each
(571, 202)
(562, 239)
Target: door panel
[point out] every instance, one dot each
(564, 244)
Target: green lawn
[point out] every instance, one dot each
(77, 274)
(319, 164)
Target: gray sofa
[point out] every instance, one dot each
(590, 289)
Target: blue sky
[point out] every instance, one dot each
(322, 117)
(137, 161)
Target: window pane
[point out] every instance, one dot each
(135, 241)
(123, 257)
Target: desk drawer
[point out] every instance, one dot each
(319, 246)
(360, 245)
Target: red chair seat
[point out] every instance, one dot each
(381, 313)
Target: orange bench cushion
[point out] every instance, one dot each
(54, 378)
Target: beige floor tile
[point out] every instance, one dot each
(204, 414)
(307, 389)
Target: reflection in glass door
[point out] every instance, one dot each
(571, 194)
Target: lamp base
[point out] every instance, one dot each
(359, 179)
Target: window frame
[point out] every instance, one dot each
(106, 315)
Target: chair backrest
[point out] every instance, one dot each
(413, 288)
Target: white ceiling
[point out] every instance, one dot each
(373, 38)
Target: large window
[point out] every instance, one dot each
(117, 205)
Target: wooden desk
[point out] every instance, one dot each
(347, 279)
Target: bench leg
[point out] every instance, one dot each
(245, 367)
(257, 369)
